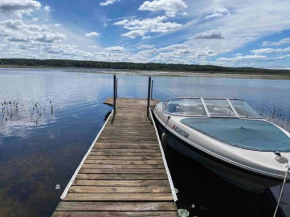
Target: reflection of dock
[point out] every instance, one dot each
(124, 172)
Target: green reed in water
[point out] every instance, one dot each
(27, 111)
(277, 116)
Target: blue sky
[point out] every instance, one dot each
(239, 33)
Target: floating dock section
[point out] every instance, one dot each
(124, 173)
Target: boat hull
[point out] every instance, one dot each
(247, 180)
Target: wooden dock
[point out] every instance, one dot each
(124, 172)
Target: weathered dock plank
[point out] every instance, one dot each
(117, 206)
(119, 197)
(121, 183)
(114, 214)
(124, 172)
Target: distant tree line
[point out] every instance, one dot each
(138, 66)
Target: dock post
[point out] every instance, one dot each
(152, 89)
(116, 88)
(148, 100)
(115, 92)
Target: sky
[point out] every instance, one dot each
(238, 33)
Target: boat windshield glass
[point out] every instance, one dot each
(219, 108)
(244, 110)
(192, 107)
(209, 107)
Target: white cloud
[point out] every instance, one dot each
(171, 7)
(139, 27)
(218, 12)
(174, 47)
(283, 41)
(45, 37)
(19, 7)
(108, 2)
(146, 37)
(49, 37)
(92, 34)
(47, 9)
(145, 46)
(248, 58)
(12, 24)
(238, 22)
(135, 33)
(271, 50)
(248, 22)
(116, 49)
(212, 34)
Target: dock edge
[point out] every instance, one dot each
(84, 158)
(164, 159)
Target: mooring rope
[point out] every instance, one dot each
(282, 189)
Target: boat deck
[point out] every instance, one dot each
(124, 172)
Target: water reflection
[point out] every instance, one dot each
(36, 157)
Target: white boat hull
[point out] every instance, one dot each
(247, 177)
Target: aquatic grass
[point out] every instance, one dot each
(27, 111)
(277, 116)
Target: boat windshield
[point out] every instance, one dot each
(219, 108)
(192, 107)
(244, 110)
(208, 107)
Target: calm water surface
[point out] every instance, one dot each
(59, 113)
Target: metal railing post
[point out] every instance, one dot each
(148, 100)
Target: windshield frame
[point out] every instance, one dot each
(208, 115)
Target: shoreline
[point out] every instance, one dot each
(132, 72)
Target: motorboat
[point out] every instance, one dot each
(228, 137)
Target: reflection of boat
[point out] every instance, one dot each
(228, 137)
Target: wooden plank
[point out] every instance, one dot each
(121, 183)
(117, 206)
(119, 197)
(139, 128)
(131, 133)
(112, 153)
(126, 137)
(121, 171)
(114, 214)
(122, 176)
(127, 130)
(100, 166)
(93, 157)
(142, 146)
(133, 150)
(117, 139)
(124, 162)
(97, 189)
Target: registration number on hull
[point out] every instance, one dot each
(180, 131)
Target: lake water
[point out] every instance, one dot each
(50, 117)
